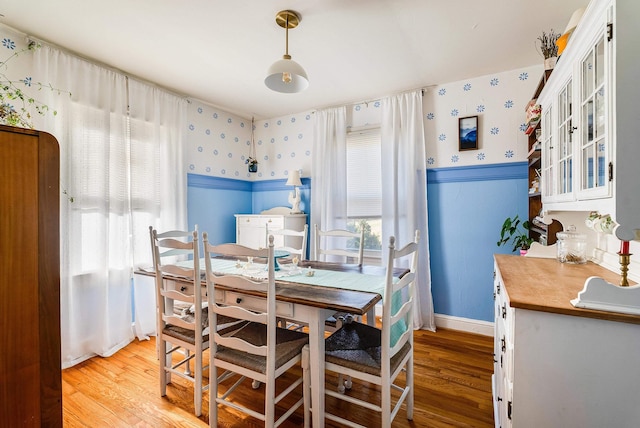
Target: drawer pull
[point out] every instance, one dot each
(238, 300)
(503, 344)
(504, 311)
(498, 287)
(183, 288)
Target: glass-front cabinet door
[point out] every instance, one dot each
(548, 179)
(594, 139)
(564, 149)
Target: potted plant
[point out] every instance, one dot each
(252, 164)
(517, 232)
(549, 48)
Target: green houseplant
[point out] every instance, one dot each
(516, 232)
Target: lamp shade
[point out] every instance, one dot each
(286, 76)
(294, 178)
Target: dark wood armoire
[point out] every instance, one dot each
(30, 361)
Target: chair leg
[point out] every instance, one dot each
(197, 387)
(409, 384)
(306, 386)
(164, 359)
(213, 394)
(385, 395)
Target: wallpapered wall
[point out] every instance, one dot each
(219, 141)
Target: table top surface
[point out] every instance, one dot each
(332, 298)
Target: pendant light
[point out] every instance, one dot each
(286, 75)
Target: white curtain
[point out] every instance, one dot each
(329, 170)
(158, 184)
(105, 213)
(404, 189)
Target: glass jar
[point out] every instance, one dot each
(572, 246)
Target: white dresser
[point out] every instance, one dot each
(251, 229)
(556, 365)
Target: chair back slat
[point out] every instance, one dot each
(325, 244)
(290, 235)
(241, 345)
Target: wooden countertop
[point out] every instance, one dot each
(547, 285)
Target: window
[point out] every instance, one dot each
(364, 189)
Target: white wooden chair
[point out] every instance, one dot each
(325, 243)
(256, 349)
(378, 356)
(180, 315)
(290, 235)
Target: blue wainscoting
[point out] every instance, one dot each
(467, 206)
(212, 202)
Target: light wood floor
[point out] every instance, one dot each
(452, 389)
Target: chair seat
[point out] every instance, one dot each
(358, 346)
(183, 334)
(289, 343)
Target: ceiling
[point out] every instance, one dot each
(218, 51)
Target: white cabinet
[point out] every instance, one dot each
(589, 127)
(251, 229)
(555, 365)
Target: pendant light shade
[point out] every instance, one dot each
(286, 75)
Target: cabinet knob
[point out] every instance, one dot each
(238, 300)
(504, 311)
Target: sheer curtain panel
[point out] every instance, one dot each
(329, 170)
(100, 173)
(404, 190)
(158, 183)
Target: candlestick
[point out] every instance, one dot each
(624, 247)
(624, 268)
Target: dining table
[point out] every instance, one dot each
(308, 294)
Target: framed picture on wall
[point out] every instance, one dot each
(468, 133)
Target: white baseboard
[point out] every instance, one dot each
(484, 328)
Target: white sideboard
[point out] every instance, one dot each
(251, 229)
(556, 365)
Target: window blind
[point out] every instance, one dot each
(364, 184)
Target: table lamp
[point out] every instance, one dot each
(294, 197)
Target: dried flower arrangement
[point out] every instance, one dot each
(548, 45)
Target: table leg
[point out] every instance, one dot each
(371, 317)
(316, 351)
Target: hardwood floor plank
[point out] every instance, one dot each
(452, 389)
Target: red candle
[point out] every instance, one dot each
(624, 247)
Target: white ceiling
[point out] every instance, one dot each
(218, 51)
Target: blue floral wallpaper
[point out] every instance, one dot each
(219, 141)
(499, 101)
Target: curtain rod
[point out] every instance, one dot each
(423, 90)
(103, 65)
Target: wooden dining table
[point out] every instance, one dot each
(311, 304)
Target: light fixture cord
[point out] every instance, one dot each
(287, 37)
